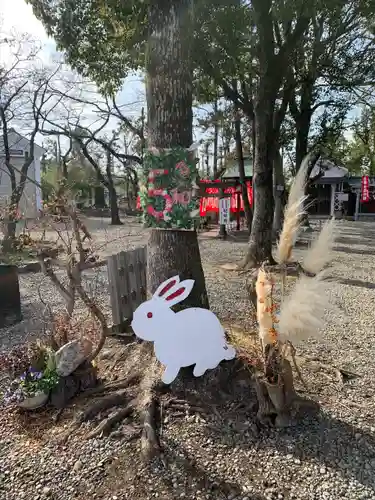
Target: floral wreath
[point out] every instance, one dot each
(161, 214)
(183, 169)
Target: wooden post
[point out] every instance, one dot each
(127, 284)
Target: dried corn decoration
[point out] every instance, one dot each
(266, 308)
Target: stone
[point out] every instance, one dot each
(71, 355)
(77, 466)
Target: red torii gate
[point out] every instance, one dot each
(212, 190)
(210, 194)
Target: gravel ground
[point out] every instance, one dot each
(330, 456)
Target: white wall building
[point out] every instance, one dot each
(31, 200)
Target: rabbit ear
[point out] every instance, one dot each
(166, 286)
(179, 293)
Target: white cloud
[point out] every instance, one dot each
(18, 15)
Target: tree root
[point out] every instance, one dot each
(184, 406)
(127, 432)
(103, 404)
(106, 425)
(112, 386)
(150, 444)
(120, 356)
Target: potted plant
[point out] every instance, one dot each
(30, 389)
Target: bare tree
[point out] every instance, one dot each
(92, 144)
(87, 122)
(24, 95)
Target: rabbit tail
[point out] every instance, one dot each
(229, 353)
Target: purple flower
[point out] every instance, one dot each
(35, 375)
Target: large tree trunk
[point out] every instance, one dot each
(303, 123)
(115, 216)
(241, 171)
(176, 252)
(9, 232)
(170, 124)
(279, 193)
(169, 75)
(260, 244)
(302, 117)
(269, 82)
(10, 225)
(313, 159)
(302, 135)
(216, 139)
(99, 197)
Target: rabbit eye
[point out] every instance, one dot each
(149, 315)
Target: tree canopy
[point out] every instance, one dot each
(293, 69)
(106, 40)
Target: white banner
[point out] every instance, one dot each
(224, 211)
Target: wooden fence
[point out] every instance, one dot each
(127, 283)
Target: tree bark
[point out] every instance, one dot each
(9, 231)
(99, 197)
(303, 124)
(260, 245)
(241, 171)
(279, 194)
(169, 74)
(278, 171)
(270, 78)
(314, 158)
(176, 252)
(170, 124)
(276, 399)
(115, 215)
(10, 227)
(216, 139)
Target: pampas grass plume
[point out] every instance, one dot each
(321, 251)
(293, 213)
(302, 313)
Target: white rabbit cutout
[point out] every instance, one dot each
(193, 336)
